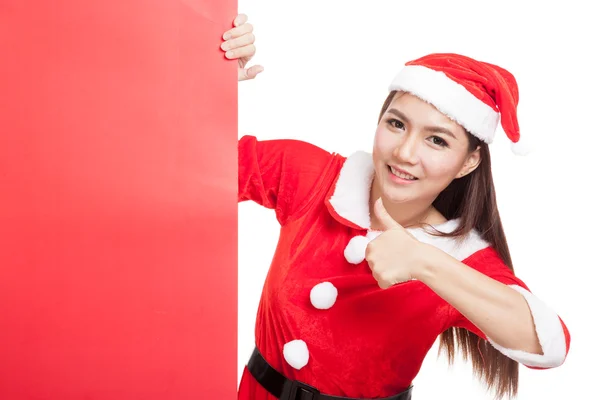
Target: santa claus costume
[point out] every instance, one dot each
(325, 329)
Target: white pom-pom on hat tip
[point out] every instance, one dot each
(323, 295)
(296, 353)
(522, 147)
(356, 249)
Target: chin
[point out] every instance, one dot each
(397, 195)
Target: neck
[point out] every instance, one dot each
(408, 214)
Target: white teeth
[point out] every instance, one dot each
(402, 175)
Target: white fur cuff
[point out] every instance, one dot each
(549, 331)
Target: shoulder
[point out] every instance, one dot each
(286, 174)
(290, 148)
(489, 262)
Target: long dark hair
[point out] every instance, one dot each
(473, 199)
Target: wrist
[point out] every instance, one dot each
(433, 259)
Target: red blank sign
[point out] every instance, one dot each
(118, 210)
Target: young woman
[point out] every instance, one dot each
(379, 254)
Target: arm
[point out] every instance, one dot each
(483, 294)
(279, 174)
(499, 311)
(487, 299)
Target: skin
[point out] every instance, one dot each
(415, 137)
(239, 44)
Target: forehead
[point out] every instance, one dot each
(421, 111)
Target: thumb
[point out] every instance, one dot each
(249, 73)
(254, 70)
(383, 216)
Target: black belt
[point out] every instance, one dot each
(286, 389)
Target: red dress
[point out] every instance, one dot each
(322, 318)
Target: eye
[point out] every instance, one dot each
(395, 123)
(439, 141)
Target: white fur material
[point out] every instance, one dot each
(459, 250)
(450, 97)
(351, 197)
(549, 331)
(371, 235)
(356, 249)
(522, 147)
(296, 353)
(323, 295)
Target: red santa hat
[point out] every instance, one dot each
(475, 94)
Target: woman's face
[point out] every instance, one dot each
(418, 151)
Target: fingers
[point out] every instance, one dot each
(383, 279)
(238, 31)
(241, 42)
(244, 52)
(240, 19)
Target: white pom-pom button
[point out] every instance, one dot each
(323, 295)
(296, 353)
(356, 249)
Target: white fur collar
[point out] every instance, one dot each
(350, 201)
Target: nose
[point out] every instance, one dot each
(407, 149)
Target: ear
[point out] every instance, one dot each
(471, 163)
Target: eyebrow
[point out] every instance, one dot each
(432, 129)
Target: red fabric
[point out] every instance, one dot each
(280, 174)
(372, 342)
(117, 182)
(490, 83)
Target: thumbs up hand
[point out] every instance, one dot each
(395, 256)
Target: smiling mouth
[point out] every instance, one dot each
(401, 175)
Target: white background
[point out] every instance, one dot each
(327, 67)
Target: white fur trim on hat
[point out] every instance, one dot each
(449, 97)
(296, 353)
(323, 295)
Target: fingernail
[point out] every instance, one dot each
(229, 54)
(224, 46)
(227, 36)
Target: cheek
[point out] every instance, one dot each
(383, 144)
(441, 167)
